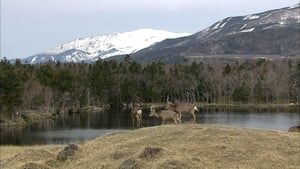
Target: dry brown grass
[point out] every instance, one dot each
(16, 156)
(179, 146)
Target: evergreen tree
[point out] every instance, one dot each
(9, 87)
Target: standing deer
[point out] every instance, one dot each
(183, 108)
(165, 114)
(136, 115)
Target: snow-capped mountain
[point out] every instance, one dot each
(93, 48)
(274, 33)
(253, 22)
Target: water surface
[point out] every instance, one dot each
(77, 128)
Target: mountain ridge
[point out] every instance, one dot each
(103, 46)
(275, 32)
(272, 33)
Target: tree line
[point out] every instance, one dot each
(54, 85)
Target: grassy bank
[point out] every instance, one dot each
(25, 119)
(239, 106)
(258, 107)
(32, 117)
(169, 146)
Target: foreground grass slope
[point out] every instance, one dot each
(169, 146)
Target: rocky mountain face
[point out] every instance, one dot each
(93, 48)
(274, 33)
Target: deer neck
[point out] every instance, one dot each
(156, 114)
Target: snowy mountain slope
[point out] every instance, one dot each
(253, 22)
(275, 32)
(93, 48)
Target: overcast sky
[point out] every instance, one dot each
(32, 26)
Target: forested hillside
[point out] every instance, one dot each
(52, 86)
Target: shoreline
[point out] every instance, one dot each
(32, 117)
(281, 106)
(25, 120)
(253, 106)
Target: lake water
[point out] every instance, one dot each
(77, 128)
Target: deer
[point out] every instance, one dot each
(164, 115)
(179, 108)
(136, 116)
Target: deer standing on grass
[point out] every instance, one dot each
(179, 108)
(164, 115)
(136, 116)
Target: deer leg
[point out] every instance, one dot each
(178, 117)
(163, 121)
(138, 121)
(138, 124)
(175, 119)
(140, 116)
(132, 119)
(193, 115)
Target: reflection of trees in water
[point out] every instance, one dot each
(46, 124)
(110, 118)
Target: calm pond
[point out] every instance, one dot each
(77, 128)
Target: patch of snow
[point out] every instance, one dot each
(269, 27)
(251, 17)
(217, 25)
(221, 24)
(32, 61)
(267, 16)
(284, 17)
(204, 31)
(243, 26)
(294, 6)
(247, 30)
(225, 22)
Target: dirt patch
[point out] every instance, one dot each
(67, 152)
(26, 156)
(294, 129)
(129, 164)
(117, 155)
(35, 155)
(150, 152)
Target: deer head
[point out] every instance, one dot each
(153, 112)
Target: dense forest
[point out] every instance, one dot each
(49, 86)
